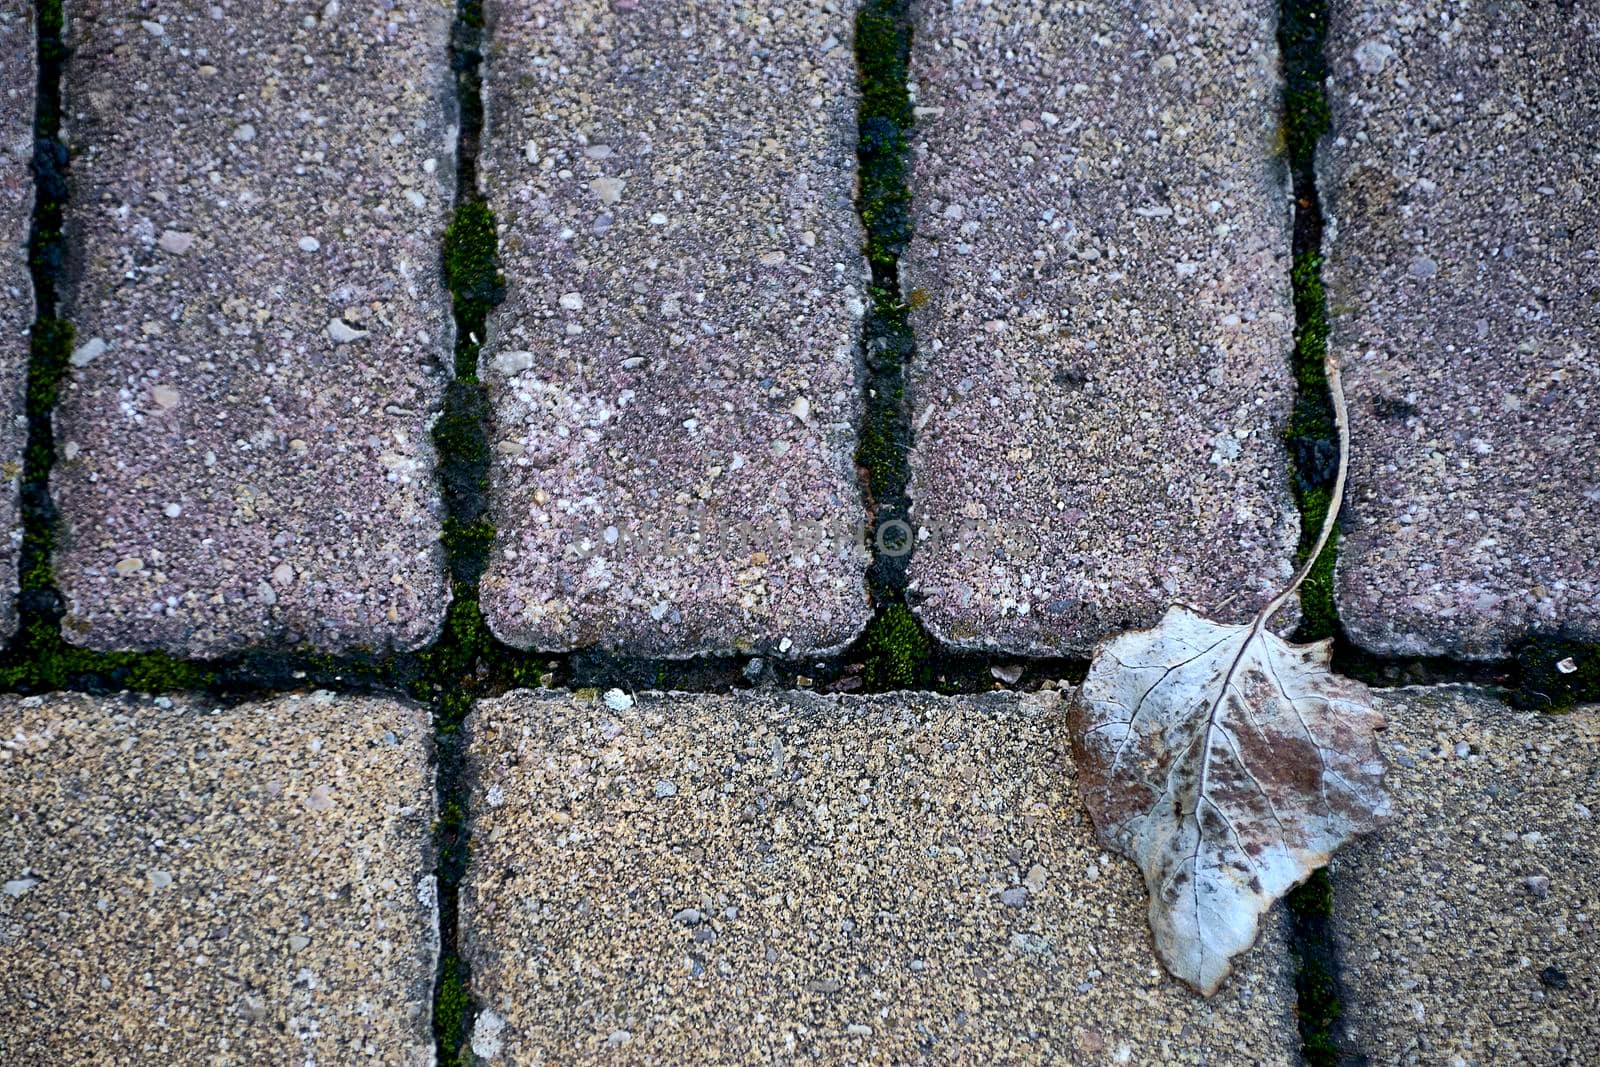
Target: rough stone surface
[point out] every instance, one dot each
(675, 368)
(1101, 268)
(749, 878)
(1467, 928)
(1463, 279)
(18, 76)
(243, 447)
(189, 884)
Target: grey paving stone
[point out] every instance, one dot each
(1467, 928)
(674, 370)
(18, 76)
(1463, 279)
(263, 333)
(1101, 268)
(189, 884)
(776, 876)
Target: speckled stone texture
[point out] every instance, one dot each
(1468, 927)
(18, 76)
(1101, 268)
(1463, 279)
(263, 332)
(762, 877)
(191, 884)
(675, 369)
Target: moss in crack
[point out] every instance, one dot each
(883, 52)
(452, 1014)
(898, 653)
(472, 272)
(1316, 983)
(1312, 438)
(1554, 674)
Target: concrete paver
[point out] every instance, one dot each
(1101, 272)
(1467, 927)
(766, 876)
(263, 333)
(1463, 273)
(675, 368)
(18, 77)
(188, 884)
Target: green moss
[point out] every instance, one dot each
(1316, 986)
(1556, 675)
(471, 270)
(1313, 898)
(898, 652)
(885, 117)
(470, 12)
(452, 1014)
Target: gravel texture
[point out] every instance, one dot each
(18, 76)
(762, 877)
(1101, 272)
(674, 371)
(1468, 927)
(189, 884)
(263, 334)
(1464, 281)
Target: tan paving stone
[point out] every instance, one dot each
(760, 877)
(1468, 927)
(190, 884)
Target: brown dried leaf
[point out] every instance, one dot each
(1227, 764)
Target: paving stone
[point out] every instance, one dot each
(18, 77)
(190, 884)
(1463, 278)
(263, 333)
(1101, 272)
(1467, 927)
(674, 371)
(754, 877)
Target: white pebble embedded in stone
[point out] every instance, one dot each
(343, 333)
(310, 244)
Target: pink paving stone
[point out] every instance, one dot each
(678, 352)
(1463, 274)
(259, 192)
(17, 83)
(1101, 264)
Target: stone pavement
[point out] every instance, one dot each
(1468, 927)
(759, 876)
(16, 287)
(1101, 264)
(263, 332)
(191, 884)
(1099, 288)
(674, 370)
(1463, 279)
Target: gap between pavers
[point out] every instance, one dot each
(1467, 928)
(186, 884)
(768, 875)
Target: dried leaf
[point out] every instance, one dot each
(1228, 765)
